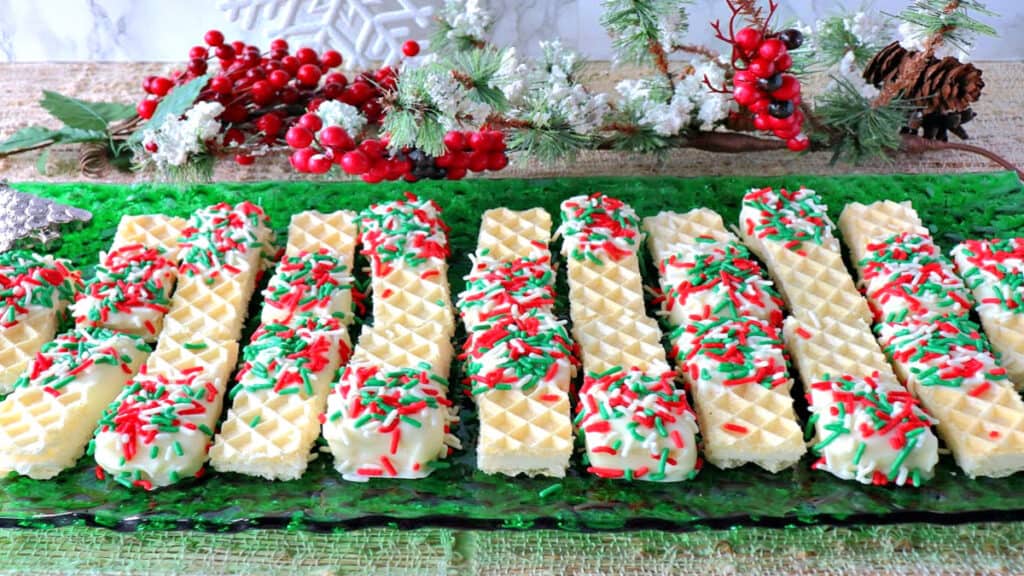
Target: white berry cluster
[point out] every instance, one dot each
(176, 139)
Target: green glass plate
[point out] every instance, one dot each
(953, 206)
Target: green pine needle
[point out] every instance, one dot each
(481, 67)
(548, 144)
(859, 131)
(957, 27)
(637, 25)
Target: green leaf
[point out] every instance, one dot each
(41, 162)
(77, 113)
(174, 104)
(27, 137)
(113, 111)
(67, 135)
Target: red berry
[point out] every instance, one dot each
(396, 168)
(307, 56)
(334, 137)
(460, 160)
(760, 106)
(355, 162)
(146, 108)
(160, 86)
(372, 177)
(495, 140)
(798, 143)
(743, 77)
(314, 104)
(298, 137)
(221, 85)
(255, 74)
(234, 135)
(198, 66)
(319, 164)
(213, 38)
(147, 84)
(239, 46)
(786, 133)
(478, 142)
(496, 161)
(269, 124)
(411, 48)
(311, 122)
(747, 39)
(279, 78)
(761, 122)
(279, 44)
(745, 94)
(408, 177)
(262, 92)
(289, 95)
(783, 63)
(789, 90)
(771, 49)
(234, 114)
(151, 147)
(291, 64)
(333, 90)
(379, 170)
(225, 52)
(443, 161)
(372, 109)
(456, 173)
(300, 159)
(357, 93)
(198, 52)
(762, 68)
(372, 148)
(454, 140)
(330, 59)
(336, 78)
(308, 75)
(478, 161)
(244, 159)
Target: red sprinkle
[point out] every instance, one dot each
(731, 427)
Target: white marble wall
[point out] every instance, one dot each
(163, 30)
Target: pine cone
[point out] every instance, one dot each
(940, 90)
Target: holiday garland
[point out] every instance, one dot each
(462, 108)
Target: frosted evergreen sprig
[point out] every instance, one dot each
(645, 31)
(931, 23)
(461, 25)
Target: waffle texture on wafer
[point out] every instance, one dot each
(152, 231)
(994, 271)
(159, 429)
(634, 423)
(922, 309)
(726, 316)
(34, 290)
(280, 393)
(46, 423)
(792, 233)
(389, 415)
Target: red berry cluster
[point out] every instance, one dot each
(464, 152)
(266, 93)
(316, 146)
(763, 86)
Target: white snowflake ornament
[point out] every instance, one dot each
(364, 31)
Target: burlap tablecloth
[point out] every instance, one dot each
(978, 548)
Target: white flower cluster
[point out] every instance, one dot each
(511, 78)
(915, 37)
(655, 105)
(337, 113)
(869, 28)
(451, 98)
(466, 18)
(175, 139)
(672, 28)
(848, 70)
(585, 112)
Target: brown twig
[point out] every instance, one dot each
(731, 143)
(27, 149)
(696, 49)
(913, 144)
